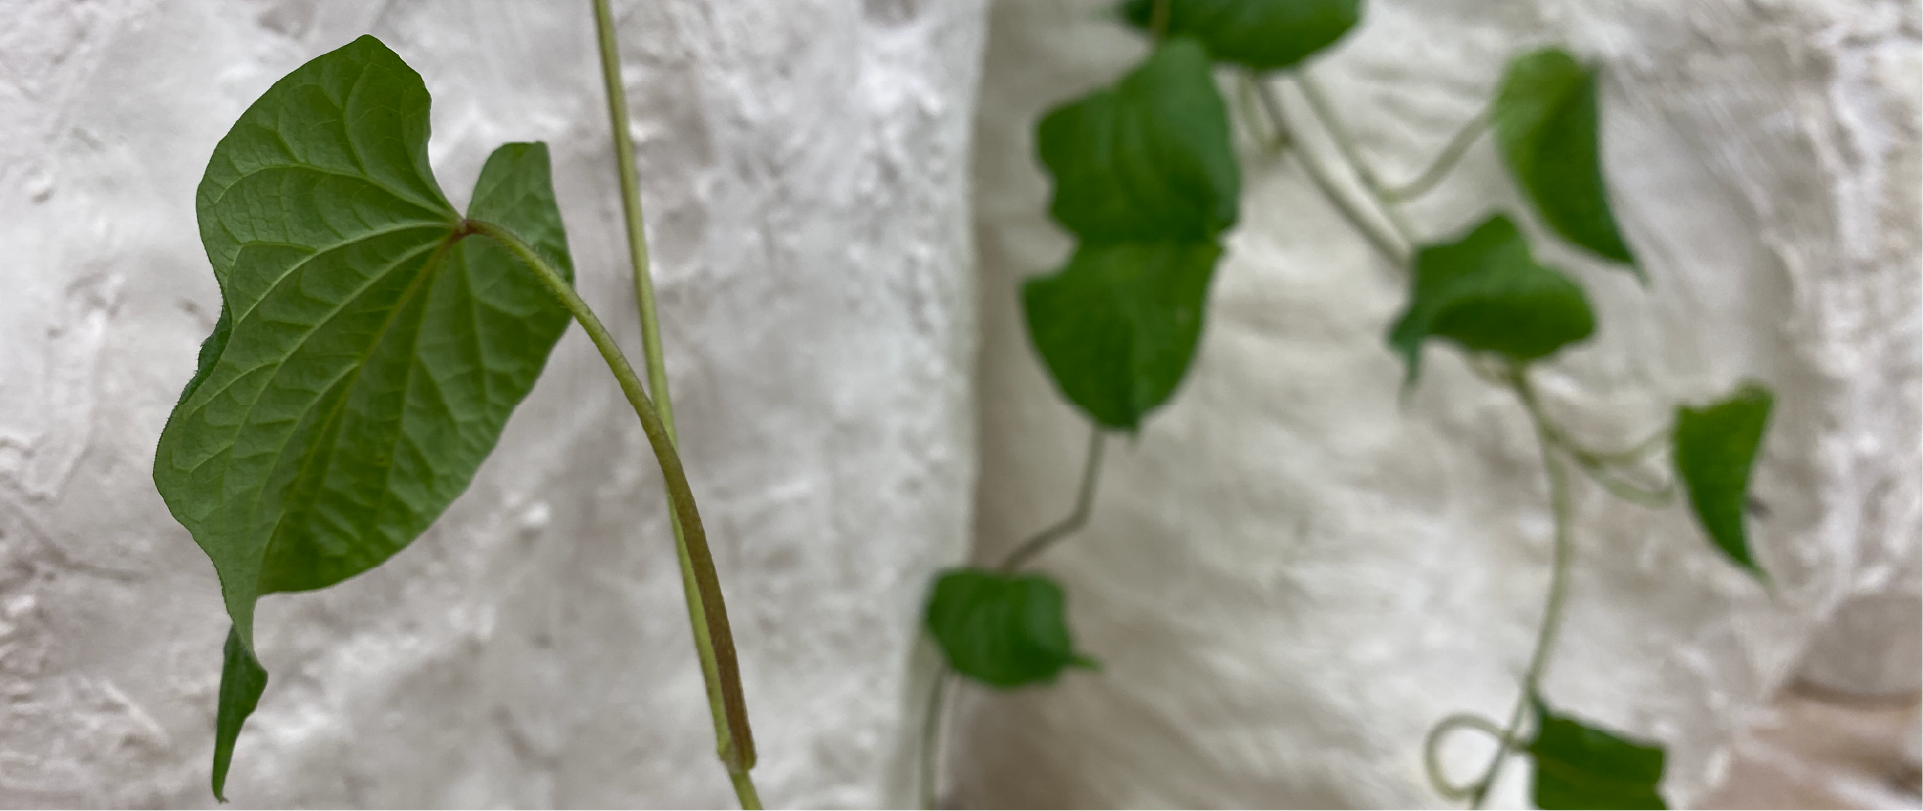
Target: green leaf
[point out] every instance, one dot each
(242, 680)
(1715, 447)
(1547, 126)
(367, 355)
(1118, 326)
(1486, 293)
(1148, 159)
(1002, 630)
(1262, 34)
(1579, 766)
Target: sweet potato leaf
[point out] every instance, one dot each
(1548, 128)
(1715, 447)
(1486, 293)
(1262, 34)
(367, 356)
(1003, 630)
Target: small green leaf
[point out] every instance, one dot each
(1579, 766)
(1486, 293)
(242, 680)
(1262, 34)
(1119, 325)
(1002, 630)
(1548, 128)
(367, 355)
(1148, 159)
(1715, 447)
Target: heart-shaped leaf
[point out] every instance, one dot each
(1262, 34)
(1148, 159)
(1579, 766)
(367, 356)
(1003, 630)
(1547, 126)
(1119, 325)
(1486, 293)
(1715, 447)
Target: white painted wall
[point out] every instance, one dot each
(1289, 577)
(805, 169)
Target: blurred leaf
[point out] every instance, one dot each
(1578, 766)
(1002, 630)
(1262, 34)
(367, 355)
(1487, 294)
(1547, 126)
(1119, 325)
(1148, 159)
(1715, 447)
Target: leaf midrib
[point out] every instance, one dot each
(428, 270)
(241, 425)
(202, 401)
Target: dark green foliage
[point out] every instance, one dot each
(367, 355)
(1715, 447)
(1486, 293)
(1147, 160)
(1119, 325)
(1146, 177)
(1578, 766)
(1003, 630)
(1261, 34)
(1548, 127)
(242, 680)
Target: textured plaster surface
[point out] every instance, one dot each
(805, 170)
(1289, 576)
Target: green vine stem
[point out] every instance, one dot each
(1390, 246)
(1035, 545)
(1446, 160)
(931, 735)
(726, 742)
(1564, 552)
(1084, 501)
(1345, 142)
(718, 637)
(1432, 752)
(1602, 466)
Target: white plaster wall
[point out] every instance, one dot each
(1289, 577)
(805, 169)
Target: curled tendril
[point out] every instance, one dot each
(1432, 746)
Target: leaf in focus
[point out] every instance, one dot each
(1548, 128)
(1578, 766)
(242, 680)
(1118, 326)
(367, 355)
(1003, 630)
(1148, 159)
(1715, 447)
(1262, 34)
(1486, 293)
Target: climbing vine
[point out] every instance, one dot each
(371, 344)
(1146, 178)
